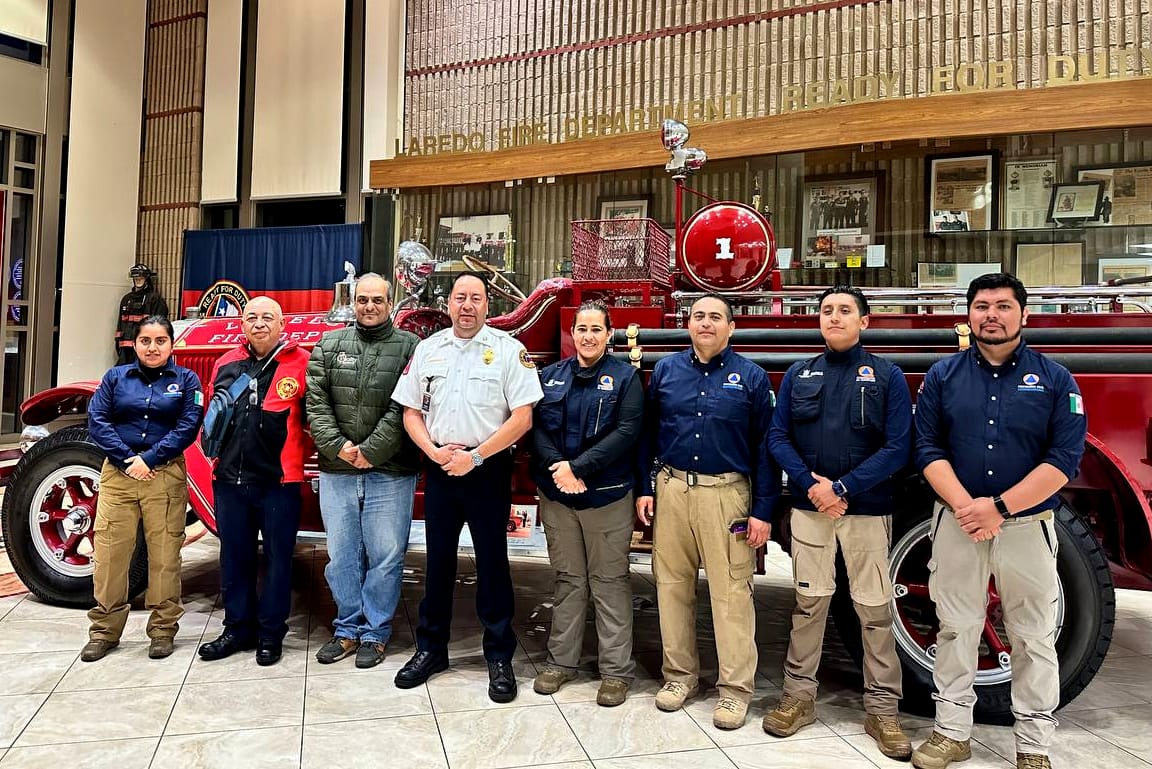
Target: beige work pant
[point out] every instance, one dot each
(589, 551)
(161, 504)
(692, 528)
(1022, 558)
(864, 541)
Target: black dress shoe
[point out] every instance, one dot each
(420, 668)
(501, 681)
(268, 652)
(225, 646)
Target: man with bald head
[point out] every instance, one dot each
(256, 483)
(368, 469)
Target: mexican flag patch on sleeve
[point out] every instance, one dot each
(1076, 403)
(199, 398)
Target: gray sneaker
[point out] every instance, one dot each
(369, 655)
(336, 649)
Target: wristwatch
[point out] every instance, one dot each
(1001, 507)
(477, 459)
(839, 489)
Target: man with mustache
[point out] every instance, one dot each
(467, 394)
(1000, 430)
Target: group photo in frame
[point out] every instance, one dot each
(1074, 204)
(963, 192)
(1127, 192)
(487, 237)
(839, 219)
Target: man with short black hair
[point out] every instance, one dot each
(468, 394)
(368, 469)
(703, 457)
(1000, 429)
(841, 430)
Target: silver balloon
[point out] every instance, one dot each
(673, 134)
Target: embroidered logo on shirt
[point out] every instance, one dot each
(806, 374)
(733, 382)
(554, 383)
(526, 361)
(172, 390)
(198, 398)
(1031, 384)
(344, 359)
(605, 382)
(287, 387)
(865, 374)
(1076, 403)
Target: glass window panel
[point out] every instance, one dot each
(24, 178)
(15, 359)
(21, 251)
(4, 141)
(25, 148)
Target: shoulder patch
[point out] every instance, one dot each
(526, 360)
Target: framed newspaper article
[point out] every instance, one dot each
(963, 193)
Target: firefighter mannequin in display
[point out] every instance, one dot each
(139, 303)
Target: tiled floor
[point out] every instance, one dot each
(129, 712)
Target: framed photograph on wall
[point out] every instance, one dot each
(487, 237)
(839, 218)
(1076, 203)
(963, 193)
(1127, 196)
(624, 208)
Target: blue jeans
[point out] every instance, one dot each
(368, 517)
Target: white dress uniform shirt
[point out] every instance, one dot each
(467, 388)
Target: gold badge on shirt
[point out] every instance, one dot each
(489, 356)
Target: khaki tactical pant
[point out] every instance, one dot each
(864, 541)
(161, 504)
(692, 527)
(589, 551)
(1022, 558)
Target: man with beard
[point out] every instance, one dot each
(1000, 430)
(467, 394)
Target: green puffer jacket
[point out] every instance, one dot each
(351, 375)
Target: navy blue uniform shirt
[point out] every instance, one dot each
(157, 421)
(995, 424)
(711, 418)
(860, 433)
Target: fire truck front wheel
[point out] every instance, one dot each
(1086, 615)
(48, 517)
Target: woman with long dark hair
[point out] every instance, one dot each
(143, 416)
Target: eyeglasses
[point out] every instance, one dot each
(253, 398)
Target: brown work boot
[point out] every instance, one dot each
(673, 694)
(940, 751)
(551, 678)
(890, 738)
(613, 692)
(729, 713)
(96, 649)
(789, 715)
(1032, 761)
(160, 648)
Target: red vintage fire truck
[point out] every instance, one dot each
(1104, 523)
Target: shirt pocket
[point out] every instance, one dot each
(550, 410)
(729, 406)
(868, 407)
(805, 399)
(483, 387)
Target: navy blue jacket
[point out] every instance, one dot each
(711, 418)
(157, 421)
(848, 417)
(996, 424)
(591, 417)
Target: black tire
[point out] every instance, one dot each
(72, 586)
(1089, 605)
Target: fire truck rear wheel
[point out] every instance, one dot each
(1087, 608)
(49, 512)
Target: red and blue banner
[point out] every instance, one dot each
(296, 266)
